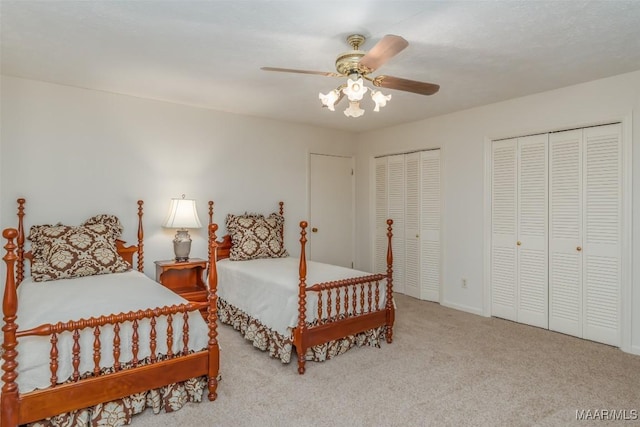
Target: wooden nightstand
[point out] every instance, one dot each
(184, 278)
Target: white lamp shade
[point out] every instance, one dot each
(182, 214)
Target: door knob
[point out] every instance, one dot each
(417, 236)
(518, 243)
(579, 248)
(314, 230)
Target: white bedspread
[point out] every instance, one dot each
(93, 296)
(267, 288)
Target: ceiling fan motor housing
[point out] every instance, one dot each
(347, 63)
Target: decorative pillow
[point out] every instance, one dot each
(110, 221)
(254, 236)
(62, 251)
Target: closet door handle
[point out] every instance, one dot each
(314, 230)
(579, 248)
(518, 243)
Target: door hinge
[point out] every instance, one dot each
(351, 171)
(351, 264)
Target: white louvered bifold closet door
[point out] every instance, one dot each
(532, 271)
(430, 218)
(395, 188)
(503, 228)
(601, 250)
(565, 232)
(407, 188)
(585, 233)
(381, 216)
(412, 208)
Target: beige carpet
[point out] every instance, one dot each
(444, 368)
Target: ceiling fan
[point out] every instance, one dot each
(357, 64)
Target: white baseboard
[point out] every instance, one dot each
(472, 310)
(635, 349)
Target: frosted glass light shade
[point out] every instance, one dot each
(380, 99)
(354, 110)
(355, 89)
(329, 99)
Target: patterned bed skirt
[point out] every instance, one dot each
(280, 346)
(119, 412)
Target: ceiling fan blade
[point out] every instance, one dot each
(289, 70)
(384, 50)
(421, 88)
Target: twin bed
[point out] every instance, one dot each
(153, 348)
(132, 343)
(279, 302)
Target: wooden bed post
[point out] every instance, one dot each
(212, 313)
(302, 302)
(210, 222)
(20, 275)
(9, 401)
(140, 238)
(389, 302)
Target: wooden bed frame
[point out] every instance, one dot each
(346, 320)
(17, 408)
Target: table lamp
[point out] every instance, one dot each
(182, 215)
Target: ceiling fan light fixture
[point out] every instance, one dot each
(356, 65)
(355, 89)
(380, 99)
(329, 99)
(354, 109)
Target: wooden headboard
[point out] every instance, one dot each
(126, 252)
(224, 246)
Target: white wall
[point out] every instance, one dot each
(462, 138)
(73, 153)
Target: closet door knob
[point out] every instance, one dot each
(579, 248)
(314, 230)
(518, 243)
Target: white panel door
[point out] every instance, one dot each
(412, 207)
(331, 216)
(381, 215)
(565, 232)
(601, 250)
(430, 225)
(504, 229)
(532, 269)
(396, 182)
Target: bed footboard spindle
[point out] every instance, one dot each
(53, 357)
(97, 346)
(135, 340)
(185, 333)
(170, 335)
(389, 302)
(152, 339)
(302, 303)
(9, 399)
(75, 351)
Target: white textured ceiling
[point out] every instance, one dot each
(209, 53)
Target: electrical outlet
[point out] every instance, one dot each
(464, 282)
